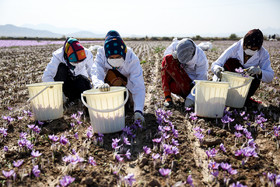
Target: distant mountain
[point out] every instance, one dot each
(59, 30)
(14, 31)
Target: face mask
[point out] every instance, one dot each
(117, 62)
(73, 64)
(250, 52)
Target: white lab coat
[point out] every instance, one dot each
(131, 69)
(83, 68)
(259, 59)
(196, 68)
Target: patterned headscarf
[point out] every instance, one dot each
(73, 51)
(114, 44)
(254, 38)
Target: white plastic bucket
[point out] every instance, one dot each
(46, 100)
(106, 109)
(210, 98)
(239, 87)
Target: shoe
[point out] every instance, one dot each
(168, 104)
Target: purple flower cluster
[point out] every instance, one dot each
(66, 180)
(91, 161)
(9, 119)
(129, 179)
(73, 159)
(36, 172)
(211, 153)
(198, 133)
(273, 178)
(4, 132)
(24, 143)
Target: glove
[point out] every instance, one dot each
(254, 70)
(104, 88)
(189, 103)
(219, 71)
(138, 115)
(168, 104)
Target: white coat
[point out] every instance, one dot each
(131, 69)
(196, 68)
(260, 58)
(83, 68)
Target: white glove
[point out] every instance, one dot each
(219, 71)
(189, 103)
(139, 116)
(254, 70)
(104, 88)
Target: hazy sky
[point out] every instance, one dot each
(146, 17)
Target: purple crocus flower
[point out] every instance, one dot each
(175, 142)
(211, 153)
(6, 148)
(91, 161)
(271, 176)
(157, 140)
(199, 136)
(238, 127)
(119, 158)
(239, 70)
(35, 154)
(165, 172)
(222, 147)
(115, 143)
(17, 163)
(188, 109)
(190, 180)
(63, 140)
(31, 126)
(75, 116)
(129, 179)
(36, 172)
(193, 116)
(147, 150)
(215, 173)
(8, 174)
(4, 131)
(127, 130)
(237, 185)
(66, 180)
(242, 113)
(76, 135)
(225, 166)
(155, 156)
(232, 171)
(125, 141)
(277, 181)
(237, 134)
(128, 154)
(23, 135)
(213, 165)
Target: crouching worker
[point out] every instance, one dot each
(249, 55)
(117, 65)
(184, 62)
(71, 64)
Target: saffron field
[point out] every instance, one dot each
(173, 148)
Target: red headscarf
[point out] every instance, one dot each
(254, 38)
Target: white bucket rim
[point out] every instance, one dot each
(113, 89)
(237, 75)
(211, 82)
(45, 84)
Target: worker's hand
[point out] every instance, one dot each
(254, 71)
(219, 71)
(138, 115)
(104, 88)
(189, 103)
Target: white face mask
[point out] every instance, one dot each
(250, 52)
(117, 62)
(73, 64)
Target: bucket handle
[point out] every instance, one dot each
(30, 99)
(235, 87)
(192, 91)
(106, 110)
